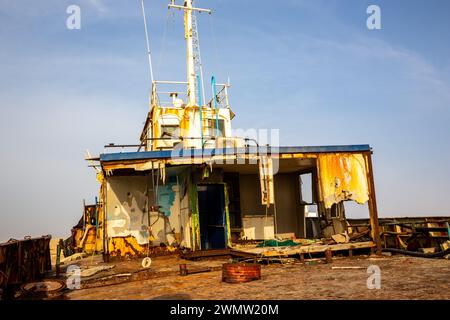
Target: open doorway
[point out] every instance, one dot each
(211, 202)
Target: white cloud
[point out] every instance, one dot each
(99, 5)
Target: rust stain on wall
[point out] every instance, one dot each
(343, 177)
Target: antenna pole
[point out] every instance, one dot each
(191, 76)
(147, 41)
(189, 52)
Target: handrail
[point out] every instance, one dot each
(206, 139)
(123, 145)
(170, 82)
(221, 95)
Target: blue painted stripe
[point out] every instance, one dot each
(187, 153)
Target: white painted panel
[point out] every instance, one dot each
(258, 227)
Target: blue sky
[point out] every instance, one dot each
(309, 68)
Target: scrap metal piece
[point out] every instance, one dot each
(184, 270)
(90, 271)
(347, 268)
(47, 285)
(24, 260)
(47, 288)
(210, 253)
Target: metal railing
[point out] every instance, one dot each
(175, 139)
(221, 97)
(163, 98)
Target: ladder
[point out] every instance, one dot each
(197, 57)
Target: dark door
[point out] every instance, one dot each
(211, 202)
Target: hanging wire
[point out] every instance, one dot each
(147, 42)
(216, 50)
(163, 40)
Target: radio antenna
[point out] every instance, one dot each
(147, 41)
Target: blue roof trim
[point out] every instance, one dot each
(187, 153)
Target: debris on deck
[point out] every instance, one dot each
(419, 236)
(22, 261)
(89, 271)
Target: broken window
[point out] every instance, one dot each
(307, 200)
(211, 128)
(306, 189)
(356, 210)
(170, 131)
(337, 210)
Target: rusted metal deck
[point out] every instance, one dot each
(24, 260)
(308, 249)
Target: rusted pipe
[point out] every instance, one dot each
(183, 269)
(58, 259)
(328, 256)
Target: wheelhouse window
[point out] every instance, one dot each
(211, 128)
(170, 131)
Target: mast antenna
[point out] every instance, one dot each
(198, 67)
(189, 33)
(148, 43)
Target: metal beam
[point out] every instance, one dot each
(189, 8)
(167, 154)
(373, 211)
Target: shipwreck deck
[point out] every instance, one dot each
(286, 251)
(346, 278)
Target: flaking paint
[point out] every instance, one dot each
(343, 176)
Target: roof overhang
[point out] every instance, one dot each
(205, 153)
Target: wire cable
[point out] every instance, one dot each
(147, 42)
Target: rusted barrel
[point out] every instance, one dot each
(240, 272)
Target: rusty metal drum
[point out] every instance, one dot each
(240, 272)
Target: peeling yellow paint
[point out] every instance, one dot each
(296, 156)
(185, 116)
(343, 177)
(99, 177)
(123, 246)
(181, 113)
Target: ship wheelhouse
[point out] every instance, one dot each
(191, 184)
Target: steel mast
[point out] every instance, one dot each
(188, 35)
